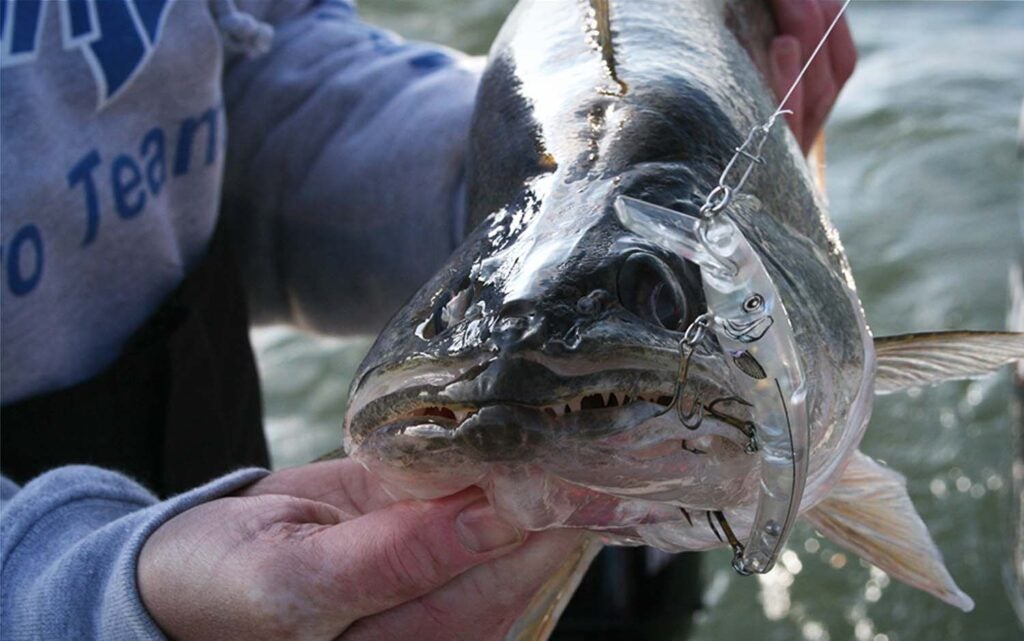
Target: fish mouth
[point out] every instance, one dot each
(587, 413)
(501, 431)
(586, 402)
(621, 432)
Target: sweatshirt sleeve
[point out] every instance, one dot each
(345, 167)
(69, 545)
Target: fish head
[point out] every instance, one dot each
(543, 364)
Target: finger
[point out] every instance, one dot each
(343, 483)
(483, 603)
(841, 56)
(785, 65)
(803, 20)
(394, 555)
(842, 52)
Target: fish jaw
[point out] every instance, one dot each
(603, 450)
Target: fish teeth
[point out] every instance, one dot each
(575, 404)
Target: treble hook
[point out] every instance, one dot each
(734, 542)
(691, 419)
(693, 336)
(748, 428)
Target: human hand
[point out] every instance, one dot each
(321, 552)
(802, 23)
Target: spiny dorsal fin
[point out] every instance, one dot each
(870, 513)
(917, 360)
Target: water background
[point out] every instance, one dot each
(925, 187)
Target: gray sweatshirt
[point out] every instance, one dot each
(336, 158)
(340, 153)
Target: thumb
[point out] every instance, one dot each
(393, 555)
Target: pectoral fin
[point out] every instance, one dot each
(538, 621)
(870, 513)
(917, 360)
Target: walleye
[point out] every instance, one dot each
(543, 362)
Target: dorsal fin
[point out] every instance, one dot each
(918, 360)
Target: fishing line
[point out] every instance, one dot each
(717, 200)
(720, 197)
(821, 43)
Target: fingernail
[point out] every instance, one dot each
(482, 531)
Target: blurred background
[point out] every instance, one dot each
(925, 184)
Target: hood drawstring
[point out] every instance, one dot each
(241, 32)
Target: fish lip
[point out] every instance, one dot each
(538, 421)
(431, 374)
(428, 405)
(467, 387)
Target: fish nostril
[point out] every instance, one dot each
(649, 289)
(517, 326)
(448, 309)
(516, 308)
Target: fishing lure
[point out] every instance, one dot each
(754, 333)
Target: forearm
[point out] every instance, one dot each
(69, 549)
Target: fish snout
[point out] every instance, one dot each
(503, 433)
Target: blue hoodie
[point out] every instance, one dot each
(128, 128)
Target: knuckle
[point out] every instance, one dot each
(488, 585)
(453, 620)
(412, 561)
(438, 613)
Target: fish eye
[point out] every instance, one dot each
(649, 289)
(753, 303)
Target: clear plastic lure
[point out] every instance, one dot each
(756, 337)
